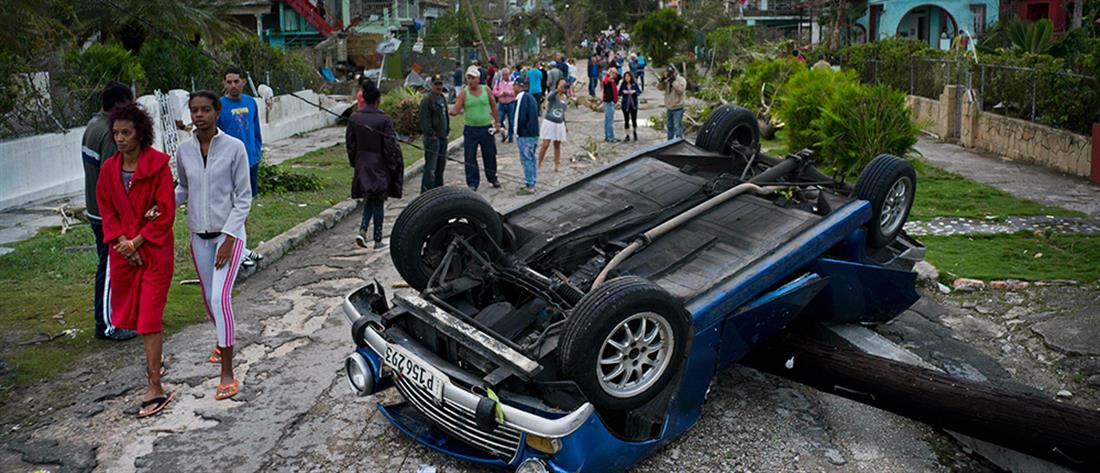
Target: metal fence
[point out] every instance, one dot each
(1050, 97)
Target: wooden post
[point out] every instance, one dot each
(1036, 425)
(477, 30)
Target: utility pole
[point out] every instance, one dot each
(477, 29)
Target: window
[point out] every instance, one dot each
(977, 10)
(290, 20)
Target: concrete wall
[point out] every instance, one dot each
(1015, 139)
(49, 166)
(41, 166)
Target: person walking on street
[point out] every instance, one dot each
(241, 120)
(97, 145)
(629, 91)
(593, 73)
(526, 120)
(435, 125)
(212, 167)
(641, 73)
(673, 85)
(479, 108)
(491, 71)
(553, 129)
(505, 95)
(610, 96)
(552, 77)
(534, 80)
(135, 198)
(379, 165)
(635, 69)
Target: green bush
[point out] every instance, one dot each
(276, 180)
(86, 72)
(402, 104)
(766, 76)
(801, 99)
(170, 65)
(661, 34)
(860, 122)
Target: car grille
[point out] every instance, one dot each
(459, 422)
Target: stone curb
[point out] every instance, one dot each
(274, 249)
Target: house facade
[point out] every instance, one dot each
(933, 22)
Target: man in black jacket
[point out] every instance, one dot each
(436, 126)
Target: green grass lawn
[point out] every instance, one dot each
(943, 194)
(1013, 256)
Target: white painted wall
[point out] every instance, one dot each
(48, 166)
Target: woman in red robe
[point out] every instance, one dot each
(137, 200)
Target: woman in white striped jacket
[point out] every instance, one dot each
(212, 168)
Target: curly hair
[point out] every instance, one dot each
(136, 114)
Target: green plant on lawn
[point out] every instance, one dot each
(278, 180)
(402, 104)
(860, 122)
(763, 80)
(800, 102)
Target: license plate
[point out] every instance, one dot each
(415, 370)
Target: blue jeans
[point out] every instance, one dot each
(254, 178)
(527, 147)
(372, 210)
(435, 159)
(506, 111)
(474, 136)
(674, 122)
(609, 120)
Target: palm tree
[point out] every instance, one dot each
(131, 22)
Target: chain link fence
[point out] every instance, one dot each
(1050, 97)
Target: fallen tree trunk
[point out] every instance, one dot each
(1038, 426)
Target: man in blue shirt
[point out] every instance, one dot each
(534, 79)
(240, 118)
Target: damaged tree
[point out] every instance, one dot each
(1038, 426)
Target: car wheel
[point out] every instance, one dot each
(889, 183)
(624, 341)
(424, 231)
(726, 126)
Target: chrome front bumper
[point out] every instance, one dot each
(513, 417)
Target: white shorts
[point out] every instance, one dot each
(552, 131)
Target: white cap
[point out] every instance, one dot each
(473, 71)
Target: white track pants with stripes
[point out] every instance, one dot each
(217, 283)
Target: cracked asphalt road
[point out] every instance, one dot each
(296, 413)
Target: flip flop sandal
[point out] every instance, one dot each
(215, 357)
(227, 391)
(158, 404)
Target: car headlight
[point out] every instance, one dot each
(532, 465)
(360, 375)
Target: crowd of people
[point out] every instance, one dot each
(133, 195)
(132, 201)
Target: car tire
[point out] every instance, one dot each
(426, 227)
(726, 125)
(889, 183)
(607, 318)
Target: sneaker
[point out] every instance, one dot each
(379, 244)
(614, 140)
(118, 335)
(361, 239)
(247, 260)
(496, 185)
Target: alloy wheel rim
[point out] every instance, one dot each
(635, 355)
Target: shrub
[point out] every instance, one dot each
(766, 76)
(402, 104)
(283, 71)
(860, 122)
(186, 67)
(274, 179)
(801, 99)
(86, 72)
(661, 34)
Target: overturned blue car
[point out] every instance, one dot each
(582, 330)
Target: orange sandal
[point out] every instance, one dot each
(227, 391)
(154, 405)
(215, 357)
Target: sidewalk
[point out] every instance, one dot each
(23, 222)
(1021, 180)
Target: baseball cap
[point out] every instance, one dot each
(473, 71)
